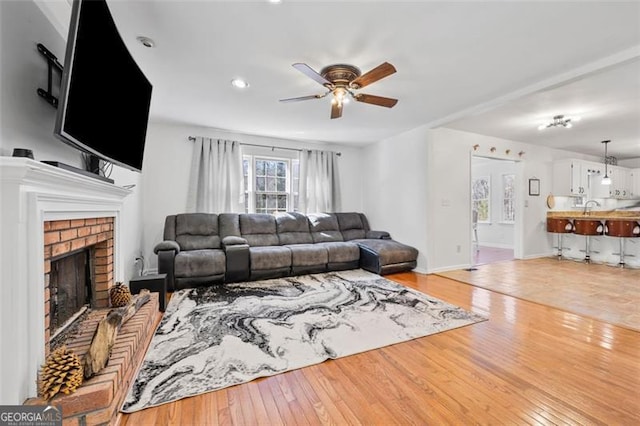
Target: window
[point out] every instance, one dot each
(481, 197)
(508, 199)
(270, 184)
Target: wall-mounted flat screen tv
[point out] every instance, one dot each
(105, 97)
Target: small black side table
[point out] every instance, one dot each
(155, 282)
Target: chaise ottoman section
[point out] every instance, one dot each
(386, 256)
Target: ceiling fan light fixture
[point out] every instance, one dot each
(340, 95)
(341, 81)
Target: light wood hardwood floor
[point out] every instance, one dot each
(607, 293)
(528, 364)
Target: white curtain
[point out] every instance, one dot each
(216, 184)
(319, 182)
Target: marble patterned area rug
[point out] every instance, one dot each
(214, 337)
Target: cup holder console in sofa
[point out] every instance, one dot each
(202, 249)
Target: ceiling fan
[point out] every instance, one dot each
(342, 80)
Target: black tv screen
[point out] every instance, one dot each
(105, 97)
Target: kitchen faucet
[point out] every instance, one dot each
(586, 206)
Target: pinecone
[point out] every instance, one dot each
(119, 295)
(62, 372)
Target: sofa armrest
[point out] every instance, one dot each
(232, 240)
(236, 251)
(166, 265)
(378, 235)
(167, 245)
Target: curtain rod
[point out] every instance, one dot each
(193, 138)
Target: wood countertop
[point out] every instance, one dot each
(596, 215)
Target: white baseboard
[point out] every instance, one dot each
(538, 256)
(496, 245)
(448, 268)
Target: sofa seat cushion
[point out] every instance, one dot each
(340, 252)
(269, 257)
(389, 251)
(308, 254)
(199, 263)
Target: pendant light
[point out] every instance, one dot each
(606, 180)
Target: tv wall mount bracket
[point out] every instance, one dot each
(52, 62)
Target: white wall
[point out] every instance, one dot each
(167, 166)
(496, 233)
(418, 188)
(395, 189)
(27, 121)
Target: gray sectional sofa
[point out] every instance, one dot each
(203, 248)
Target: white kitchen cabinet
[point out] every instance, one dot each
(595, 173)
(621, 183)
(634, 179)
(579, 178)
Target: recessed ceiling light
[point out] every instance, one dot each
(239, 83)
(275, 1)
(146, 41)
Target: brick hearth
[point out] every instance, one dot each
(98, 400)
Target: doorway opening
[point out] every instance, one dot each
(493, 210)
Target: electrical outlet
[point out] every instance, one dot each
(458, 249)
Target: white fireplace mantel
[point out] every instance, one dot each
(30, 194)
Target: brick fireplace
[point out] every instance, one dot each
(64, 237)
(37, 199)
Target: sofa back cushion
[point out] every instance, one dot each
(293, 228)
(351, 225)
(197, 231)
(170, 228)
(229, 225)
(259, 229)
(324, 228)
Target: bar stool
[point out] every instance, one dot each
(559, 226)
(588, 228)
(622, 229)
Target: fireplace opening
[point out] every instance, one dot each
(70, 286)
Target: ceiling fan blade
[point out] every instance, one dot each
(304, 98)
(311, 73)
(376, 100)
(379, 72)
(336, 110)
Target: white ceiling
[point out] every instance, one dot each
(451, 57)
(607, 102)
